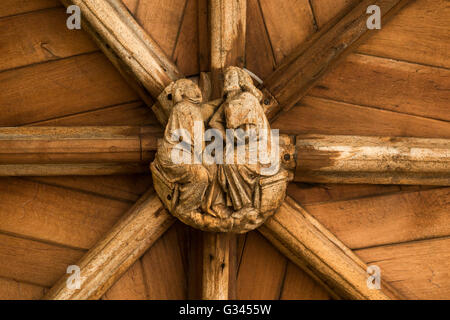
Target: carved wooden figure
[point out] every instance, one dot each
(237, 180)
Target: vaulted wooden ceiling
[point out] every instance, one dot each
(396, 83)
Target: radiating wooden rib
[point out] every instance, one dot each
(145, 222)
(228, 29)
(313, 248)
(71, 169)
(50, 151)
(216, 266)
(291, 81)
(137, 56)
(376, 160)
(25, 145)
(228, 25)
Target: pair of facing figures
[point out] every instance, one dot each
(222, 195)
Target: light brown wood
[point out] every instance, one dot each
(313, 248)
(298, 285)
(292, 80)
(49, 151)
(48, 39)
(320, 116)
(162, 20)
(386, 84)
(416, 34)
(28, 97)
(131, 286)
(13, 7)
(185, 54)
(71, 169)
(65, 215)
(40, 145)
(227, 24)
(138, 114)
(259, 258)
(258, 51)
(162, 265)
(216, 266)
(128, 46)
(34, 262)
(228, 30)
(108, 260)
(289, 23)
(15, 290)
(204, 36)
(371, 221)
(418, 269)
(376, 160)
(326, 10)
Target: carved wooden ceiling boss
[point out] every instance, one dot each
(224, 196)
(225, 191)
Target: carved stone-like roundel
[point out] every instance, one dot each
(219, 166)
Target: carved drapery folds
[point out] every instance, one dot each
(219, 166)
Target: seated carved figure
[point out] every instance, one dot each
(243, 113)
(185, 182)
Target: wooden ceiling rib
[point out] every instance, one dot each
(412, 46)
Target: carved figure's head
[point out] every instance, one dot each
(185, 89)
(236, 79)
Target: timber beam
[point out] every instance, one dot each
(44, 151)
(227, 35)
(314, 249)
(372, 160)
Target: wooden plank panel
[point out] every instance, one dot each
(185, 55)
(71, 85)
(259, 54)
(420, 33)
(15, 290)
(133, 113)
(262, 269)
(327, 10)
(300, 286)
(55, 214)
(131, 5)
(387, 84)
(164, 269)
(34, 262)
(386, 219)
(316, 193)
(124, 188)
(289, 22)
(419, 270)
(13, 7)
(131, 286)
(162, 20)
(317, 115)
(38, 37)
(204, 39)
